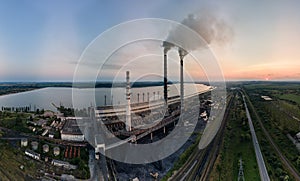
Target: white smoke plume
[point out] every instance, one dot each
(208, 25)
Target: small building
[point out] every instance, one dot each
(63, 164)
(266, 98)
(71, 131)
(32, 154)
(24, 142)
(42, 122)
(45, 132)
(51, 134)
(65, 177)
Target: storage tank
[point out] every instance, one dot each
(24, 142)
(45, 148)
(56, 151)
(34, 145)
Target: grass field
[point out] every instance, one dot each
(288, 107)
(291, 97)
(278, 124)
(272, 85)
(11, 160)
(237, 144)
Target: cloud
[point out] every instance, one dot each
(106, 66)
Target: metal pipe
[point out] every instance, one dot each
(148, 96)
(143, 97)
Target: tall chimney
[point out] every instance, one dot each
(128, 107)
(166, 77)
(181, 53)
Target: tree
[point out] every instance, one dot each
(219, 168)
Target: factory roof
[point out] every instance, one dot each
(266, 98)
(71, 127)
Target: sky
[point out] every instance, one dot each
(43, 40)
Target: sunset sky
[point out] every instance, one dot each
(43, 40)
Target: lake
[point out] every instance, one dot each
(43, 98)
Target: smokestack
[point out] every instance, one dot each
(128, 107)
(165, 77)
(181, 53)
(167, 46)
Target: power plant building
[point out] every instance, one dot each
(71, 131)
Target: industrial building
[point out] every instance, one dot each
(71, 131)
(63, 164)
(32, 154)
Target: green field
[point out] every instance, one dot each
(11, 160)
(237, 144)
(271, 85)
(291, 97)
(277, 118)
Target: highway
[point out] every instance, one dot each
(259, 158)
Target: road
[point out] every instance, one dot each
(259, 158)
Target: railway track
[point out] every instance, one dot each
(203, 169)
(199, 164)
(195, 158)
